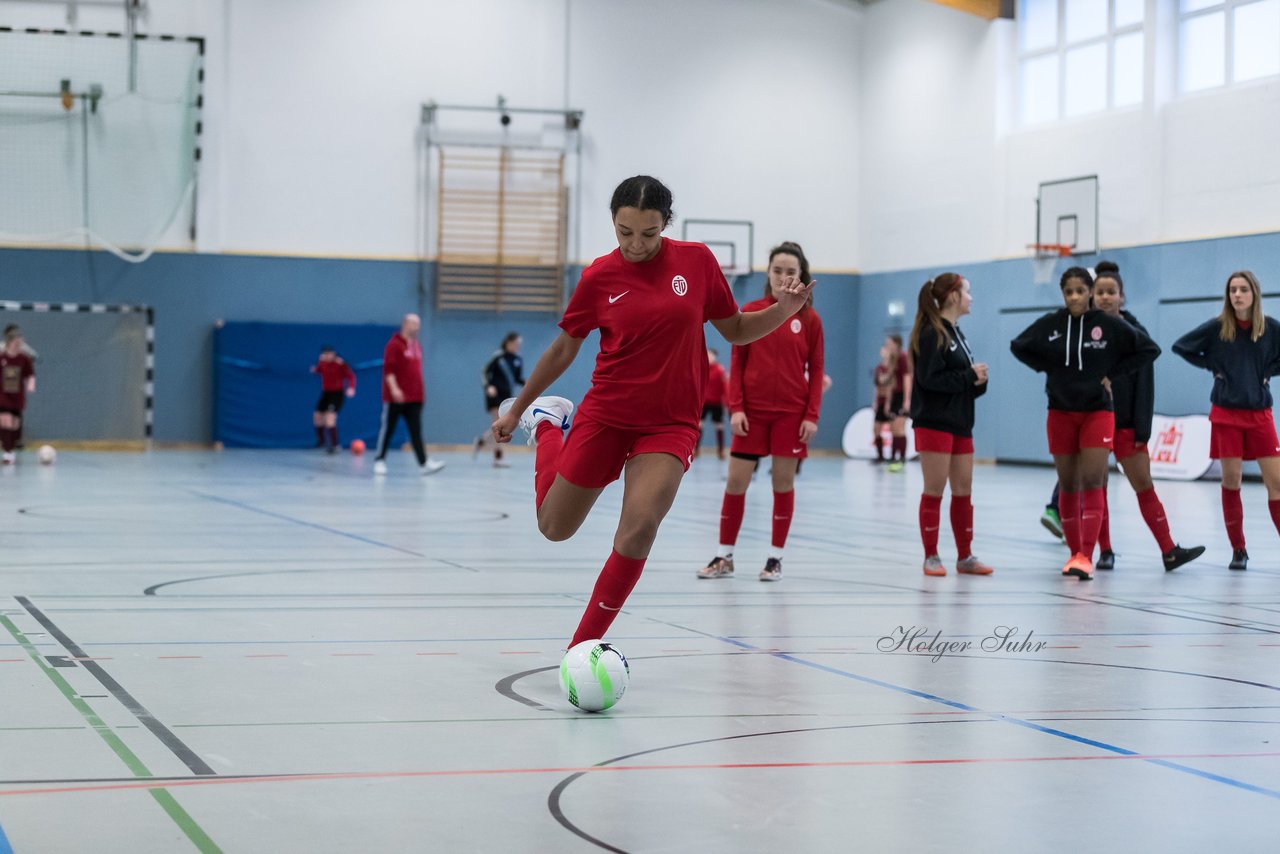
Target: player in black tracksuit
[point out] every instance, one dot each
(502, 377)
(946, 382)
(1078, 348)
(1134, 398)
(1241, 347)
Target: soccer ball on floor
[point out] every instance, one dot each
(594, 675)
(46, 455)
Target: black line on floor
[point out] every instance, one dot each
(159, 730)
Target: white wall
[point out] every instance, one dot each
(948, 178)
(747, 108)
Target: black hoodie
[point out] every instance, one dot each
(1078, 352)
(1241, 368)
(942, 383)
(1134, 395)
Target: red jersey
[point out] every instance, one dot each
(335, 374)
(652, 366)
(403, 360)
(14, 371)
(900, 373)
(717, 384)
(780, 373)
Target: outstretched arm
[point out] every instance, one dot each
(745, 327)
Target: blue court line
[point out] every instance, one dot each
(5, 847)
(303, 522)
(955, 704)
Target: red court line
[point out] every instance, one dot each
(596, 769)
(1133, 646)
(7, 660)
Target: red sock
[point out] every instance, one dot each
(1104, 529)
(731, 517)
(545, 453)
(319, 436)
(900, 448)
(784, 507)
(1274, 507)
(333, 436)
(879, 446)
(8, 439)
(1233, 516)
(1093, 503)
(1153, 513)
(962, 525)
(1069, 514)
(719, 440)
(930, 519)
(619, 575)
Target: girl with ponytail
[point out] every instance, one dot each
(947, 381)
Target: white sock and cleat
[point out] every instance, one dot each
(431, 467)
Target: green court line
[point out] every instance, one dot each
(166, 800)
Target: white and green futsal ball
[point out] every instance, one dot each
(594, 675)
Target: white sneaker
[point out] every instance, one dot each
(379, 467)
(554, 409)
(7, 458)
(432, 466)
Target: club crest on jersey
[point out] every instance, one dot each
(795, 326)
(1096, 333)
(680, 285)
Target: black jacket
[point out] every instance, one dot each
(504, 371)
(1076, 353)
(1241, 368)
(1134, 395)
(942, 383)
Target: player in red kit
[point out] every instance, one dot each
(1241, 347)
(17, 380)
(649, 298)
(775, 394)
(713, 403)
(403, 394)
(337, 383)
(948, 380)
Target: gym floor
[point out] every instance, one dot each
(275, 651)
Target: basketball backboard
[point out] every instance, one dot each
(1067, 214)
(732, 241)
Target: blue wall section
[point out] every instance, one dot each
(190, 292)
(1011, 416)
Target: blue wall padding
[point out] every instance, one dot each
(264, 391)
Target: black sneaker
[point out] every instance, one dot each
(1177, 556)
(1239, 559)
(1106, 560)
(772, 570)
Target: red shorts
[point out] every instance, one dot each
(941, 442)
(1069, 432)
(594, 454)
(771, 436)
(1124, 446)
(1245, 434)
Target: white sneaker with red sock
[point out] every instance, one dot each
(550, 408)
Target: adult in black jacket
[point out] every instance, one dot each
(1078, 348)
(947, 381)
(1134, 398)
(502, 376)
(1241, 346)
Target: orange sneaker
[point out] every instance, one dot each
(1079, 566)
(933, 566)
(972, 566)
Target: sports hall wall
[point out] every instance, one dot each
(880, 136)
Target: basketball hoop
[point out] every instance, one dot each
(1045, 260)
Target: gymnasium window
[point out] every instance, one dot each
(1077, 57)
(1221, 42)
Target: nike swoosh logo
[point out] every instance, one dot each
(796, 450)
(1055, 336)
(1107, 439)
(613, 299)
(607, 608)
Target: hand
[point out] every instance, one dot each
(807, 429)
(794, 294)
(980, 368)
(397, 395)
(738, 423)
(505, 426)
(351, 392)
(491, 391)
(1106, 383)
